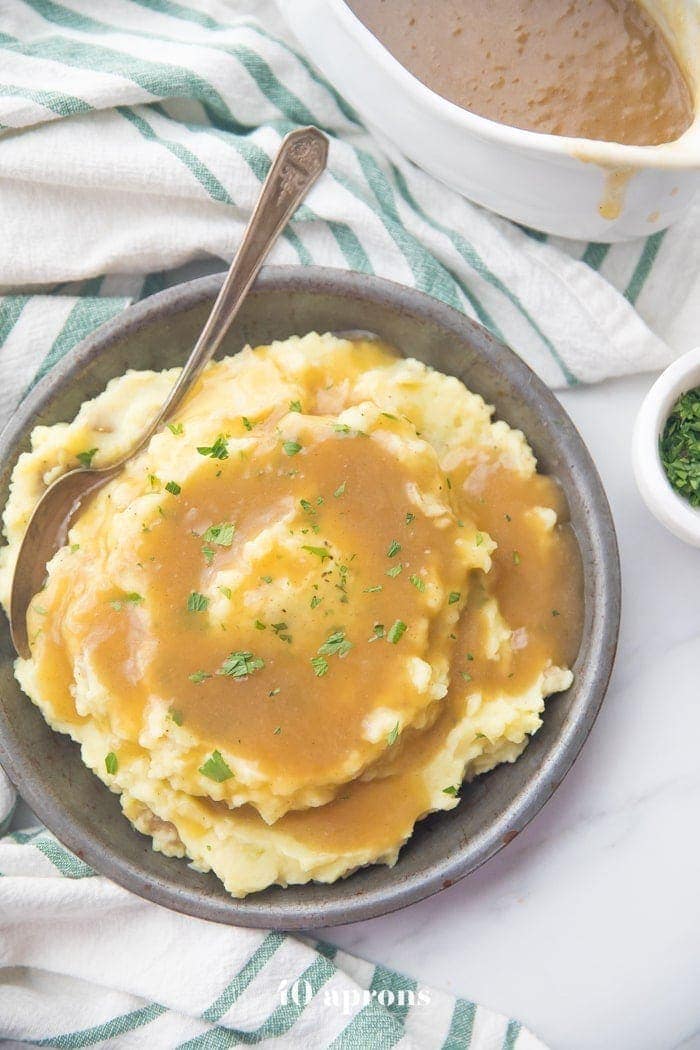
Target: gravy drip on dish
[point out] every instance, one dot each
(593, 69)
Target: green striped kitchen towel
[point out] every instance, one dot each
(83, 963)
(133, 138)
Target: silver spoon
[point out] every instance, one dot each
(301, 158)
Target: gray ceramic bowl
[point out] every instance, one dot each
(158, 333)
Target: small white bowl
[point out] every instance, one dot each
(664, 502)
(580, 188)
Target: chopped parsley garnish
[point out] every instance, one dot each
(175, 715)
(197, 602)
(291, 448)
(342, 585)
(176, 428)
(393, 549)
(341, 428)
(516, 557)
(266, 579)
(555, 612)
(466, 676)
(74, 547)
(395, 570)
(451, 790)
(336, 644)
(277, 730)
(215, 768)
(320, 666)
(240, 664)
(320, 552)
(86, 456)
(226, 591)
(340, 491)
(280, 630)
(259, 625)
(295, 406)
(470, 656)
(417, 582)
(221, 534)
(132, 598)
(246, 423)
(199, 676)
(154, 482)
(173, 488)
(389, 415)
(393, 735)
(410, 517)
(507, 517)
(219, 450)
(111, 763)
(679, 446)
(396, 631)
(274, 692)
(449, 483)
(378, 632)
(315, 601)
(479, 538)
(454, 597)
(373, 590)
(208, 553)
(305, 505)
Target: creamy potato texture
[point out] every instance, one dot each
(327, 593)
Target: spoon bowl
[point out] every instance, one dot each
(46, 532)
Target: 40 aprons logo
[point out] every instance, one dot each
(349, 1000)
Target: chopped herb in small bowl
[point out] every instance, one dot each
(679, 446)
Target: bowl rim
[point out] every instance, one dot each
(682, 153)
(667, 506)
(353, 905)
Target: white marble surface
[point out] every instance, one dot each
(587, 927)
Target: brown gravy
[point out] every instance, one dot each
(593, 69)
(284, 708)
(536, 578)
(543, 595)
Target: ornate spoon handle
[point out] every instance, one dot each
(301, 158)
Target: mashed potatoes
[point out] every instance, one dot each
(327, 592)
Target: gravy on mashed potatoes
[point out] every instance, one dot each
(329, 591)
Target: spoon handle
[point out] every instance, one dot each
(300, 160)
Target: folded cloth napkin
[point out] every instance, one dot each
(84, 963)
(133, 138)
(134, 135)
